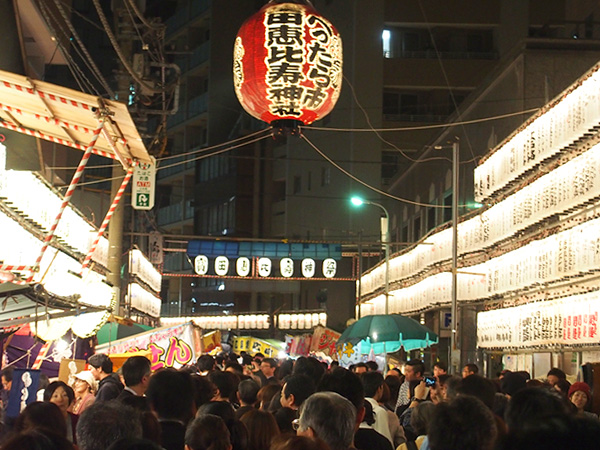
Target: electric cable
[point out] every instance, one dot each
(92, 65)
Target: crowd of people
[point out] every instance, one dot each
(239, 402)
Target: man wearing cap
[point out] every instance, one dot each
(109, 386)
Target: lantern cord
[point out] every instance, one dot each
(373, 188)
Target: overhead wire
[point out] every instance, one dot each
(445, 74)
(368, 186)
(82, 81)
(88, 58)
(117, 48)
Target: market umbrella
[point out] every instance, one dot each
(387, 334)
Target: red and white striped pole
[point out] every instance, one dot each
(108, 216)
(68, 195)
(41, 355)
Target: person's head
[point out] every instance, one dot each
(579, 394)
(562, 386)
(207, 432)
(512, 383)
(395, 372)
(103, 423)
(61, 394)
(297, 389)
(464, 423)
(134, 444)
(100, 365)
(345, 383)
(393, 382)
(360, 368)
(554, 375)
(262, 427)
(205, 363)
(266, 394)
(309, 366)
(531, 405)
(222, 409)
(294, 442)
(136, 372)
(268, 366)
(469, 369)
(330, 417)
(421, 418)
(170, 395)
(414, 370)
(372, 384)
(6, 377)
(204, 390)
(440, 368)
(41, 416)
(247, 392)
(372, 366)
(451, 387)
(554, 432)
(84, 383)
(479, 387)
(438, 391)
(234, 367)
(37, 440)
(224, 382)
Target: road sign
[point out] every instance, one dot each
(144, 184)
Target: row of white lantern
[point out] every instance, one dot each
(285, 321)
(568, 187)
(561, 125)
(566, 321)
(29, 194)
(304, 321)
(565, 254)
(140, 266)
(264, 266)
(143, 301)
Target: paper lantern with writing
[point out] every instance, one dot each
(287, 64)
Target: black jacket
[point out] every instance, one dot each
(109, 388)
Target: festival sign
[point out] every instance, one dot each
(170, 346)
(324, 340)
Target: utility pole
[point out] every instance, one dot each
(125, 35)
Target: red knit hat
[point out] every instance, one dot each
(580, 386)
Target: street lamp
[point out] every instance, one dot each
(385, 233)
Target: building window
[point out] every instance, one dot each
(325, 176)
(448, 207)
(430, 218)
(297, 184)
(416, 228)
(386, 37)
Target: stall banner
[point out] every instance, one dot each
(211, 341)
(252, 346)
(566, 321)
(351, 354)
(23, 391)
(324, 340)
(299, 345)
(170, 346)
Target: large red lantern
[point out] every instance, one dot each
(287, 64)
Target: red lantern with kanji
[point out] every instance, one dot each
(287, 64)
